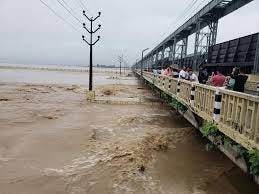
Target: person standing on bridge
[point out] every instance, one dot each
(183, 73)
(203, 76)
(219, 79)
(192, 76)
(168, 72)
(240, 79)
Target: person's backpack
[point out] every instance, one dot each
(231, 83)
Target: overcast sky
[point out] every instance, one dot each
(31, 34)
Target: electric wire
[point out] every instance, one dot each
(177, 20)
(83, 6)
(185, 17)
(59, 16)
(191, 14)
(80, 21)
(183, 14)
(70, 8)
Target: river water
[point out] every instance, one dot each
(52, 141)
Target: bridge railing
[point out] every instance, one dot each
(238, 114)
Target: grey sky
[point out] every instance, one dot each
(31, 33)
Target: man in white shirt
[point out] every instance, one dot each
(192, 76)
(182, 74)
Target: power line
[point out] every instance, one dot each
(191, 14)
(183, 16)
(80, 21)
(69, 7)
(178, 19)
(59, 16)
(83, 6)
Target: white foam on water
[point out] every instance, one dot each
(5, 159)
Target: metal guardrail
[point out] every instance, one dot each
(238, 117)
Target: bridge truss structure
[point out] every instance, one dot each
(204, 24)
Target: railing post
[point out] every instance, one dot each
(217, 105)
(178, 88)
(192, 95)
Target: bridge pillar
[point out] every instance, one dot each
(163, 57)
(213, 27)
(196, 45)
(156, 59)
(151, 62)
(170, 56)
(174, 50)
(184, 47)
(203, 40)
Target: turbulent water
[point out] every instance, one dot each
(52, 141)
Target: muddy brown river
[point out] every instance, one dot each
(52, 141)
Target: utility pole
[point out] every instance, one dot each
(125, 64)
(91, 44)
(120, 61)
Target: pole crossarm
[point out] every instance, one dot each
(86, 41)
(97, 16)
(86, 28)
(99, 27)
(96, 40)
(86, 16)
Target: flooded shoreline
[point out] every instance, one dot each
(53, 141)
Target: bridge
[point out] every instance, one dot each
(173, 49)
(235, 115)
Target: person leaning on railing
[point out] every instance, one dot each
(240, 79)
(203, 76)
(192, 76)
(219, 79)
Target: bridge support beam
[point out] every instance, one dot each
(184, 47)
(213, 27)
(156, 59)
(203, 40)
(163, 57)
(174, 50)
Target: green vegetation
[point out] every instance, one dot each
(254, 161)
(228, 141)
(178, 105)
(209, 129)
(251, 157)
(169, 100)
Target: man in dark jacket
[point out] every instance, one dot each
(203, 76)
(240, 80)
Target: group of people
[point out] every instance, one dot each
(185, 73)
(235, 81)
